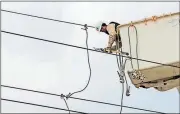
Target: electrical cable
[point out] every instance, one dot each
(44, 18)
(120, 57)
(40, 105)
(80, 25)
(88, 64)
(67, 105)
(6, 86)
(86, 48)
(62, 97)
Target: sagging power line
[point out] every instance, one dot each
(81, 99)
(85, 48)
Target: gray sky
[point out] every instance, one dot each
(59, 69)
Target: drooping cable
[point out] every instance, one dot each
(85, 48)
(70, 94)
(45, 106)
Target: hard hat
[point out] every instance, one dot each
(98, 26)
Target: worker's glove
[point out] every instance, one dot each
(107, 50)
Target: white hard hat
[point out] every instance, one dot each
(98, 26)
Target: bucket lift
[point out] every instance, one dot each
(162, 78)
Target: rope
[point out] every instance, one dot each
(122, 97)
(40, 105)
(86, 48)
(44, 18)
(127, 86)
(130, 48)
(136, 46)
(137, 41)
(121, 66)
(119, 63)
(88, 64)
(122, 76)
(79, 99)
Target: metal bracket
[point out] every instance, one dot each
(85, 27)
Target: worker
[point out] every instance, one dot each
(110, 30)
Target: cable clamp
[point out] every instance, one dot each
(62, 96)
(67, 96)
(85, 27)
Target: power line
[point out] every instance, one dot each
(79, 25)
(71, 45)
(85, 48)
(44, 18)
(41, 105)
(81, 99)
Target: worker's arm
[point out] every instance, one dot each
(112, 34)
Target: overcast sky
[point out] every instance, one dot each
(60, 69)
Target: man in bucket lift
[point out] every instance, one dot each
(110, 30)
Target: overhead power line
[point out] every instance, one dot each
(79, 25)
(45, 18)
(81, 99)
(45, 106)
(85, 48)
(88, 62)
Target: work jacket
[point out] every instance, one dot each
(111, 31)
